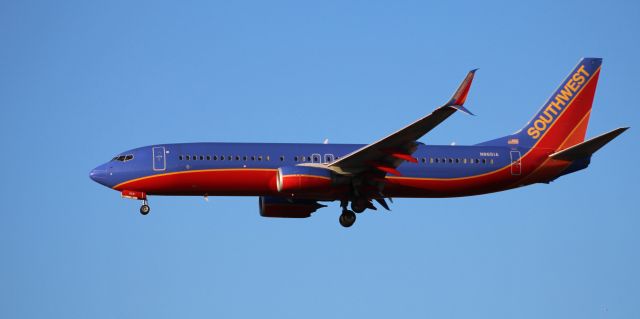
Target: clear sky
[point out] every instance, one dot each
(81, 81)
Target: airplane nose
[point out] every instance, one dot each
(97, 174)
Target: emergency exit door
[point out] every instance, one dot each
(159, 160)
(516, 164)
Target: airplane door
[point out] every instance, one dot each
(159, 159)
(516, 165)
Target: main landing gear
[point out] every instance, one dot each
(358, 205)
(347, 218)
(145, 209)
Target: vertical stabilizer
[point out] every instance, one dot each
(562, 121)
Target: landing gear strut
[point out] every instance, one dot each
(145, 209)
(347, 218)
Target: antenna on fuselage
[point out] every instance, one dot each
(326, 141)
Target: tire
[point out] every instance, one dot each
(145, 209)
(347, 218)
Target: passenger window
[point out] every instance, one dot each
(268, 158)
(477, 161)
(431, 160)
(484, 161)
(201, 157)
(281, 158)
(260, 157)
(253, 158)
(180, 157)
(208, 157)
(188, 157)
(457, 161)
(450, 160)
(237, 157)
(295, 158)
(244, 158)
(424, 160)
(215, 157)
(464, 161)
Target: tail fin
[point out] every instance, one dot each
(562, 121)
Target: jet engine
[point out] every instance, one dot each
(301, 179)
(287, 207)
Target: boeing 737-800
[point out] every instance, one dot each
(291, 180)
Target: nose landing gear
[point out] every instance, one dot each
(145, 209)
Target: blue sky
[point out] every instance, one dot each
(81, 81)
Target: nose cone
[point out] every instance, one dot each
(98, 174)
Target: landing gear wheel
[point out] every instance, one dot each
(358, 207)
(145, 209)
(347, 218)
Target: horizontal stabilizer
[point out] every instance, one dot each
(586, 149)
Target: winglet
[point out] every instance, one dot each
(458, 98)
(461, 108)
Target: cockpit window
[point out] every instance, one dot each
(123, 158)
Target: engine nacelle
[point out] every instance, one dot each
(297, 179)
(287, 207)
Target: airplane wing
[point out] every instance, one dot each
(388, 153)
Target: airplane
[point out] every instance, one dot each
(292, 180)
